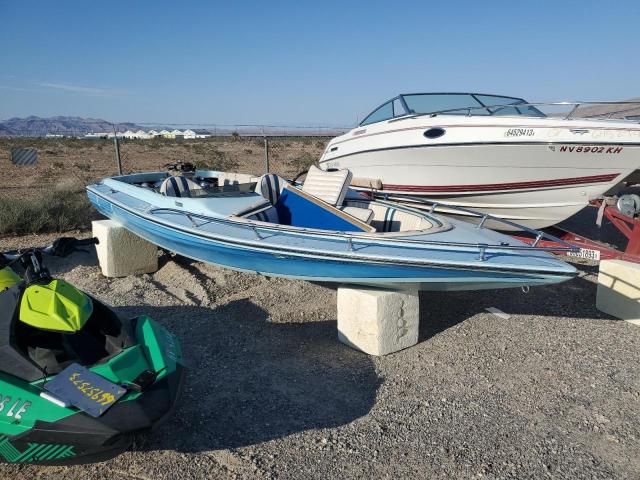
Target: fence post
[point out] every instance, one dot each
(117, 145)
(266, 153)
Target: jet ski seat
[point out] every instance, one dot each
(178, 187)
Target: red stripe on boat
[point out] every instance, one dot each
(502, 186)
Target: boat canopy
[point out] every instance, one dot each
(451, 104)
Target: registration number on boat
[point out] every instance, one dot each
(586, 253)
(519, 132)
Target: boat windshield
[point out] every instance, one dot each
(451, 104)
(232, 190)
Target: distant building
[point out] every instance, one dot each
(196, 133)
(141, 134)
(96, 135)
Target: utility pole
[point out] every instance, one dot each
(117, 145)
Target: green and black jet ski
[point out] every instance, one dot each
(76, 382)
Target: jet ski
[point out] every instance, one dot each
(77, 382)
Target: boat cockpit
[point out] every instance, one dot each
(323, 201)
(471, 104)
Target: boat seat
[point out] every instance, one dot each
(330, 187)
(399, 221)
(178, 187)
(363, 214)
(388, 219)
(269, 214)
(270, 187)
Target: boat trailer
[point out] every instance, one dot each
(593, 249)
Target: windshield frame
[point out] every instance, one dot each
(491, 109)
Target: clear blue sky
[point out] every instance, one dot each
(306, 63)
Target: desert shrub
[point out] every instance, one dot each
(53, 211)
(83, 167)
(302, 162)
(156, 143)
(75, 143)
(198, 148)
(218, 161)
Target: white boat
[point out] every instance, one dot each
(489, 153)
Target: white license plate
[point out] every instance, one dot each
(586, 253)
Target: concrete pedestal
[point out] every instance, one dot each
(121, 253)
(377, 321)
(619, 290)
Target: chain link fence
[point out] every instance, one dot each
(285, 156)
(66, 164)
(282, 149)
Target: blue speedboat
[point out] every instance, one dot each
(318, 231)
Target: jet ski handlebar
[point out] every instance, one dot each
(31, 258)
(61, 247)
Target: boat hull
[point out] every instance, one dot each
(311, 267)
(539, 190)
(537, 181)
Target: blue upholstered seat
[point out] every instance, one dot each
(178, 187)
(270, 186)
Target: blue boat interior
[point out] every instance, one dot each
(297, 209)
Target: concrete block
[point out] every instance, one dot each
(121, 253)
(378, 321)
(619, 290)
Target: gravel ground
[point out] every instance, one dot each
(551, 391)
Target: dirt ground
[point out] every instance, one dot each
(68, 164)
(552, 391)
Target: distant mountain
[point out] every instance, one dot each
(68, 126)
